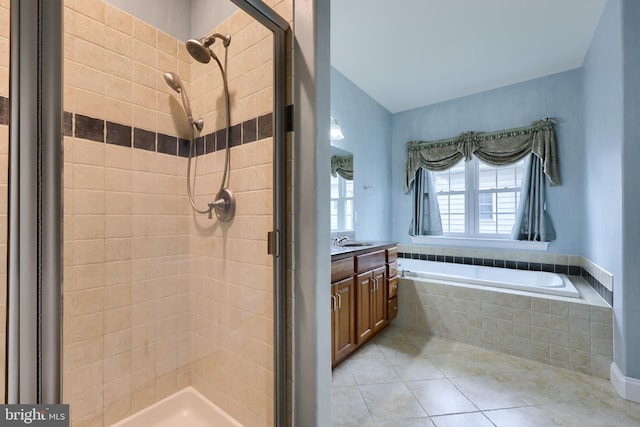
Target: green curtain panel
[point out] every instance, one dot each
(343, 166)
(426, 211)
(532, 220)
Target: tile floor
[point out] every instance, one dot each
(405, 379)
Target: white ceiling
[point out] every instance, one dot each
(410, 53)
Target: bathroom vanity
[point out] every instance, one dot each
(364, 299)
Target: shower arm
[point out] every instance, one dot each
(208, 41)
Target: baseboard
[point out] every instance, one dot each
(628, 388)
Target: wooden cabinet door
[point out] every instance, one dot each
(344, 332)
(364, 315)
(379, 299)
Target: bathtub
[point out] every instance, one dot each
(522, 280)
(184, 408)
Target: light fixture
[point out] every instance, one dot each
(335, 131)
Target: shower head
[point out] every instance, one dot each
(199, 48)
(175, 83)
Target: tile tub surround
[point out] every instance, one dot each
(598, 278)
(405, 378)
(568, 333)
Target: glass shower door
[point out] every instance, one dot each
(159, 298)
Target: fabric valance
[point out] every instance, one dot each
(495, 148)
(343, 166)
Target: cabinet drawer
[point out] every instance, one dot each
(392, 254)
(392, 269)
(393, 287)
(341, 269)
(370, 261)
(392, 308)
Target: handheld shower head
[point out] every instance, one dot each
(175, 83)
(199, 48)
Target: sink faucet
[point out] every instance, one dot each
(341, 240)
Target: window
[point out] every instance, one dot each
(479, 200)
(341, 204)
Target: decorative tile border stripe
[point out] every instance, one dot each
(571, 270)
(602, 290)
(4, 110)
(249, 131)
(99, 130)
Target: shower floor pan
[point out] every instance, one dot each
(184, 408)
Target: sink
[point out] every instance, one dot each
(349, 244)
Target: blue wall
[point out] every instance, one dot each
(558, 96)
(612, 147)
(367, 131)
(628, 302)
(603, 113)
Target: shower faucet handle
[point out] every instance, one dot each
(225, 205)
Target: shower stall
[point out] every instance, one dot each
(147, 249)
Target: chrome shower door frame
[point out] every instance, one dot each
(280, 28)
(34, 276)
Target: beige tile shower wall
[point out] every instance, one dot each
(126, 249)
(4, 172)
(249, 73)
(231, 277)
(113, 68)
(231, 285)
(126, 296)
(4, 47)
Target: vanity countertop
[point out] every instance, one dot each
(339, 252)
